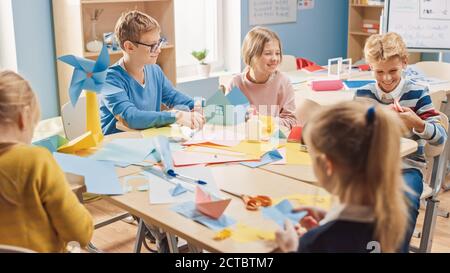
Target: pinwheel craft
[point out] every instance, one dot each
(88, 75)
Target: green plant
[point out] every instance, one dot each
(200, 55)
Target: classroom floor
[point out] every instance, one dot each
(119, 237)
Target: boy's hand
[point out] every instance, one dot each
(287, 239)
(193, 120)
(412, 120)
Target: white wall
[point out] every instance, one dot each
(8, 59)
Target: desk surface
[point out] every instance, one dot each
(304, 91)
(235, 178)
(306, 174)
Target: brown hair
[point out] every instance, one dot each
(382, 47)
(364, 145)
(131, 25)
(254, 43)
(15, 94)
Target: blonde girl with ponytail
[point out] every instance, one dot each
(38, 210)
(355, 148)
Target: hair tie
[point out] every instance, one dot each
(370, 116)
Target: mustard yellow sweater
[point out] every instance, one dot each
(38, 210)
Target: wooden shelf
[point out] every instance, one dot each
(368, 6)
(361, 33)
(117, 1)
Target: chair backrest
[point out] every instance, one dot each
(437, 97)
(289, 63)
(438, 70)
(74, 118)
(14, 249)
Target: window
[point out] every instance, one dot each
(198, 25)
(7, 39)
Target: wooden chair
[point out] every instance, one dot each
(431, 192)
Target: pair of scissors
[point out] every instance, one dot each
(252, 202)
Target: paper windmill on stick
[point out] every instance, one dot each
(90, 76)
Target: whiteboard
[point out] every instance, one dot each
(262, 12)
(423, 24)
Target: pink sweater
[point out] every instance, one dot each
(275, 97)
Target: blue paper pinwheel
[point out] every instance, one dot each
(88, 75)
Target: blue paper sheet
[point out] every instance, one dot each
(51, 143)
(267, 158)
(99, 177)
(351, 84)
(125, 150)
(187, 209)
(281, 212)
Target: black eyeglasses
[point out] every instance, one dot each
(154, 47)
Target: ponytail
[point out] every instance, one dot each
(383, 175)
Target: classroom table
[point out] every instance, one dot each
(235, 178)
(303, 89)
(231, 177)
(305, 173)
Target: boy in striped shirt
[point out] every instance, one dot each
(388, 57)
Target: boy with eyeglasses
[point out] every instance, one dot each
(136, 86)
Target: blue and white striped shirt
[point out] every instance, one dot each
(417, 98)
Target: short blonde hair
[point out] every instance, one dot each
(382, 47)
(131, 25)
(15, 94)
(254, 43)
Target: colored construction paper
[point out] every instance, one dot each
(160, 184)
(295, 156)
(99, 177)
(51, 143)
(178, 190)
(188, 158)
(168, 131)
(267, 158)
(281, 212)
(245, 234)
(295, 135)
(312, 200)
(252, 149)
(236, 97)
(226, 110)
(188, 209)
(353, 84)
(125, 150)
(85, 141)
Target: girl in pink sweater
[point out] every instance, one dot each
(269, 91)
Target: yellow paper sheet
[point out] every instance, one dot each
(85, 141)
(296, 157)
(168, 131)
(314, 200)
(93, 116)
(245, 234)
